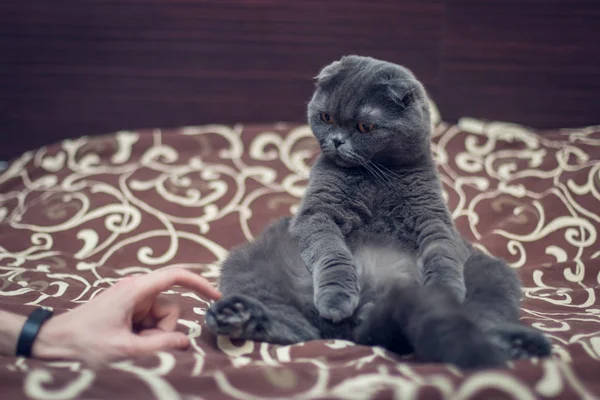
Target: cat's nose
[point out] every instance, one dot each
(337, 142)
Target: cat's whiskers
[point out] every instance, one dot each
(377, 174)
(362, 162)
(385, 177)
(389, 171)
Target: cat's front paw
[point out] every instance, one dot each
(336, 303)
(453, 287)
(236, 316)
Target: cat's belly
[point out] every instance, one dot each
(378, 264)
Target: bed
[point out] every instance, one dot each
(79, 215)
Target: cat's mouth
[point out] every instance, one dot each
(344, 160)
(342, 157)
(344, 163)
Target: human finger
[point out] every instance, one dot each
(156, 341)
(165, 313)
(156, 282)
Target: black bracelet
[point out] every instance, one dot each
(30, 331)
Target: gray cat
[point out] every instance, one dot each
(373, 255)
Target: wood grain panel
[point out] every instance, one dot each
(70, 68)
(84, 67)
(528, 61)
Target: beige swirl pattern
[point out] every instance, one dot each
(78, 216)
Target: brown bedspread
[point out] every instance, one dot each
(78, 216)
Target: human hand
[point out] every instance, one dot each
(126, 320)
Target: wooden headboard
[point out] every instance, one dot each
(70, 68)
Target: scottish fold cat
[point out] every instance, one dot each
(373, 255)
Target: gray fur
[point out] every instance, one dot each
(372, 254)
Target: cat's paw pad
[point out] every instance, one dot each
(235, 316)
(336, 304)
(521, 341)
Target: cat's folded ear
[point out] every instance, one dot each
(403, 93)
(329, 72)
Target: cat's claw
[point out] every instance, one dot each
(336, 304)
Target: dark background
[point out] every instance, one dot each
(71, 68)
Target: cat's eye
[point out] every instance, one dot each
(365, 128)
(328, 119)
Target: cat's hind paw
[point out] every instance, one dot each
(520, 341)
(454, 339)
(236, 316)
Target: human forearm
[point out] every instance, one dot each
(52, 342)
(10, 327)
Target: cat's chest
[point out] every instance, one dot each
(391, 213)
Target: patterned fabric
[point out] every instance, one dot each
(78, 216)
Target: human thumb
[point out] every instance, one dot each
(148, 344)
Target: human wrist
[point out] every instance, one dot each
(54, 340)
